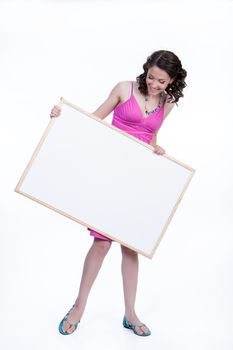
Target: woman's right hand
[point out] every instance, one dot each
(55, 112)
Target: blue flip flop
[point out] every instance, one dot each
(65, 319)
(133, 327)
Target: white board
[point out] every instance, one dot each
(105, 179)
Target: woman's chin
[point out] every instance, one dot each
(154, 92)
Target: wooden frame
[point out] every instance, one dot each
(136, 194)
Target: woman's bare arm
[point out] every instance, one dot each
(157, 149)
(110, 103)
(154, 140)
(105, 109)
(168, 106)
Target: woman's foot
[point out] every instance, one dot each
(69, 325)
(133, 322)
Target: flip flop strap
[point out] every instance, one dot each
(137, 325)
(129, 324)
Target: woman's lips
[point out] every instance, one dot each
(153, 90)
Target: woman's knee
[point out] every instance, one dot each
(128, 251)
(102, 246)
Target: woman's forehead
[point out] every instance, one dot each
(158, 73)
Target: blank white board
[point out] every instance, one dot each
(105, 179)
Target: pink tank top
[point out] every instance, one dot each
(128, 117)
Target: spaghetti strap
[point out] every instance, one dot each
(131, 88)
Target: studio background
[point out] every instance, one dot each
(80, 50)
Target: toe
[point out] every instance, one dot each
(70, 329)
(66, 327)
(145, 329)
(139, 330)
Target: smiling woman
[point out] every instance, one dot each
(163, 72)
(139, 108)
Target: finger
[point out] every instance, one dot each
(56, 109)
(54, 114)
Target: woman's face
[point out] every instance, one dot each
(157, 80)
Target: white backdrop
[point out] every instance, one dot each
(80, 50)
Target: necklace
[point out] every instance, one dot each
(147, 98)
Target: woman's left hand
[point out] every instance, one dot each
(159, 150)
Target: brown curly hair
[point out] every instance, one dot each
(171, 64)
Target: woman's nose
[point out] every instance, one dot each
(155, 85)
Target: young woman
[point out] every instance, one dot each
(139, 108)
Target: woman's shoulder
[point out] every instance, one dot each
(124, 84)
(168, 104)
(122, 88)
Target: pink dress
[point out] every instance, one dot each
(128, 117)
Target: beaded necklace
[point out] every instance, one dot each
(147, 98)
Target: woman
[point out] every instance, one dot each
(140, 108)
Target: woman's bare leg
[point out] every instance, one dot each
(129, 270)
(92, 265)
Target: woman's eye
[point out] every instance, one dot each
(162, 82)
